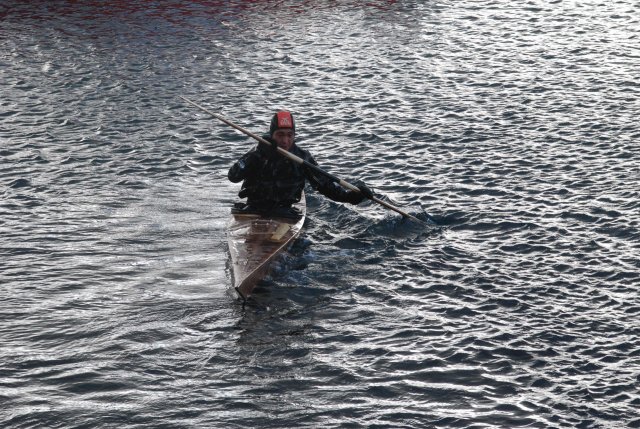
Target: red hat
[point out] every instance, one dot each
(282, 119)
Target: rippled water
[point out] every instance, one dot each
(513, 124)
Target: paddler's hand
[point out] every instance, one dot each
(268, 151)
(365, 190)
(356, 197)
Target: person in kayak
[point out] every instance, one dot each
(272, 182)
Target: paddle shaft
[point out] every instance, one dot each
(299, 160)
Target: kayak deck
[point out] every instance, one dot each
(255, 241)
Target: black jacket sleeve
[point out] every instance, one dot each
(244, 166)
(331, 189)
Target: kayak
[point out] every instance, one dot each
(256, 239)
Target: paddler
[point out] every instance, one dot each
(272, 183)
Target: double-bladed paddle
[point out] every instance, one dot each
(299, 160)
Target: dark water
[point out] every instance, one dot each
(514, 124)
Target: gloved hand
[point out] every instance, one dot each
(355, 197)
(364, 190)
(266, 150)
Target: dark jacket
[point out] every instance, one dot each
(272, 180)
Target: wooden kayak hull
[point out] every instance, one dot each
(255, 241)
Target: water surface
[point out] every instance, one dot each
(514, 126)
